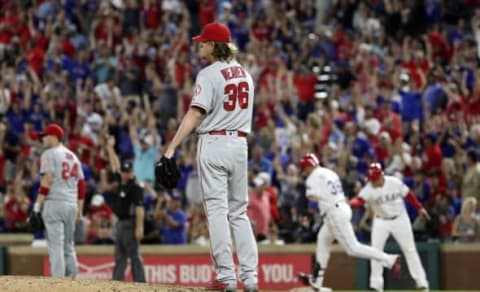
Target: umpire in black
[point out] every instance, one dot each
(128, 206)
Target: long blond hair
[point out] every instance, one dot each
(468, 201)
(224, 51)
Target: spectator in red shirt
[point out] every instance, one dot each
(272, 195)
(471, 103)
(66, 45)
(16, 208)
(432, 154)
(100, 216)
(391, 121)
(108, 29)
(304, 81)
(36, 57)
(439, 45)
(182, 69)
(382, 149)
(8, 26)
(99, 211)
(446, 216)
(259, 208)
(152, 14)
(207, 10)
(261, 29)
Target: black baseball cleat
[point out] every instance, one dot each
(305, 278)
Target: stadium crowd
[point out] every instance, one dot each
(394, 81)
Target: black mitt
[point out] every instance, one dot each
(35, 223)
(166, 172)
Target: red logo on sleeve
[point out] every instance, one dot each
(44, 163)
(197, 89)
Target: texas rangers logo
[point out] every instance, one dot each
(389, 197)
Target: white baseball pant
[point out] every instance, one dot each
(337, 226)
(401, 230)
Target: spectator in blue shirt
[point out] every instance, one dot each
(146, 152)
(411, 100)
(433, 96)
(173, 220)
(421, 188)
(80, 68)
(360, 146)
(433, 11)
(258, 162)
(16, 116)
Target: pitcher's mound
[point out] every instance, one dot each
(45, 284)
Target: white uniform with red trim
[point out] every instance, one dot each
(225, 91)
(324, 184)
(391, 218)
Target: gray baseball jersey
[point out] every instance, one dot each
(225, 91)
(66, 170)
(60, 209)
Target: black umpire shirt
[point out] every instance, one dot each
(129, 196)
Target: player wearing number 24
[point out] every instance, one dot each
(61, 195)
(221, 111)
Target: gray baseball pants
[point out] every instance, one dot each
(59, 218)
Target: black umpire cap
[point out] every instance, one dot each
(126, 166)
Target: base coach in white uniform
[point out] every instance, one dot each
(384, 195)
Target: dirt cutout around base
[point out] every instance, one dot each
(47, 284)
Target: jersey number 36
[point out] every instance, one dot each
(236, 93)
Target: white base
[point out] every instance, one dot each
(39, 243)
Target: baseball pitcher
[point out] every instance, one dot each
(61, 195)
(221, 109)
(384, 194)
(324, 186)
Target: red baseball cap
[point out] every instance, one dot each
(309, 159)
(374, 171)
(54, 130)
(214, 32)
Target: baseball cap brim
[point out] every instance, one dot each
(126, 169)
(199, 39)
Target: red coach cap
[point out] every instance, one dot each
(54, 130)
(214, 32)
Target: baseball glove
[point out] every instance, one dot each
(35, 223)
(166, 172)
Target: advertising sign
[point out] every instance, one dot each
(276, 271)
